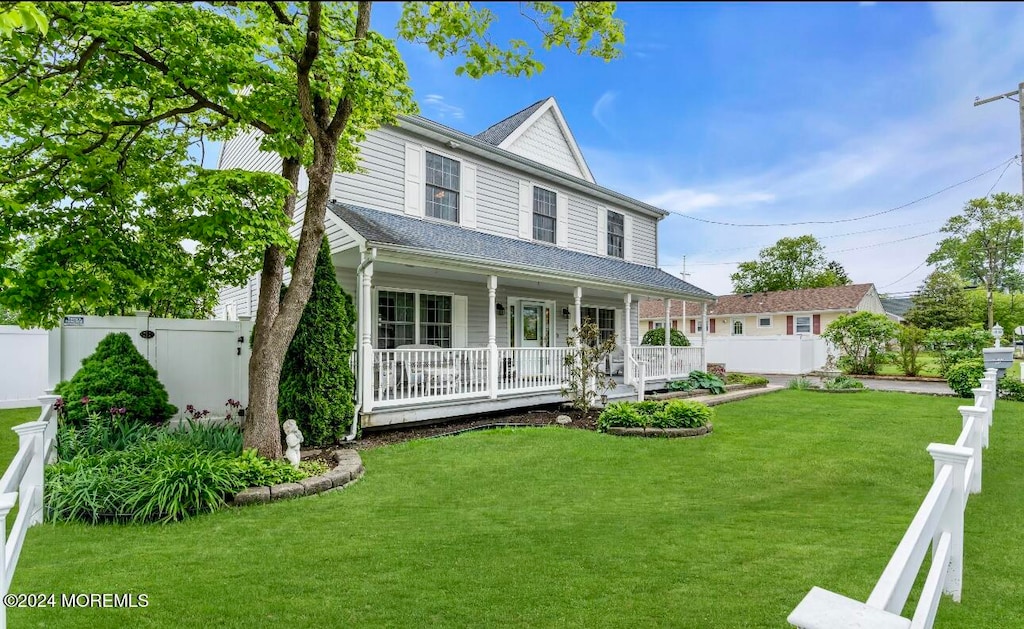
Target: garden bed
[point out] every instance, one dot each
(673, 395)
(664, 433)
(348, 470)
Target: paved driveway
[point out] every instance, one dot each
(883, 384)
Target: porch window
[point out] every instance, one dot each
(545, 213)
(603, 317)
(405, 318)
(803, 325)
(442, 188)
(616, 235)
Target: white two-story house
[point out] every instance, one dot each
(472, 257)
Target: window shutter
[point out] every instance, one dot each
(675, 324)
(562, 220)
(525, 210)
(460, 321)
(817, 324)
(789, 324)
(627, 228)
(602, 231)
(414, 180)
(711, 326)
(467, 196)
(693, 326)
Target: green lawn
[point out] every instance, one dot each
(928, 362)
(554, 527)
(8, 439)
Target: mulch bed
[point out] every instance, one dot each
(532, 417)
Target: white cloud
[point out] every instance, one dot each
(685, 200)
(867, 4)
(441, 109)
(602, 108)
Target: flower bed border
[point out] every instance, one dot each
(675, 395)
(851, 390)
(348, 470)
(664, 433)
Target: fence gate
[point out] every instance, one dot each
(201, 362)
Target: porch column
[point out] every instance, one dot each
(668, 337)
(627, 348)
(365, 324)
(577, 293)
(492, 343)
(704, 335)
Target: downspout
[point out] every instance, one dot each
(351, 436)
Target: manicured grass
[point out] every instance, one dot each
(928, 362)
(8, 439)
(553, 527)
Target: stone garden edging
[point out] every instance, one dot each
(348, 470)
(729, 388)
(667, 433)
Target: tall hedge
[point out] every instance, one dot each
(316, 380)
(116, 375)
(657, 337)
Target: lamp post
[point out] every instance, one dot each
(998, 358)
(997, 333)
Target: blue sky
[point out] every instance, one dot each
(776, 113)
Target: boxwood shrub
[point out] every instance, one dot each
(655, 414)
(966, 375)
(115, 376)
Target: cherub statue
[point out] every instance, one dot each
(293, 439)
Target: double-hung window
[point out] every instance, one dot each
(405, 318)
(545, 214)
(616, 235)
(603, 317)
(803, 325)
(442, 183)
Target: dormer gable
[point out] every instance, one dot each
(540, 133)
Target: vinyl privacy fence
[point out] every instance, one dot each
(939, 523)
(23, 366)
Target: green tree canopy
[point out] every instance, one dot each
(983, 244)
(789, 264)
(941, 303)
(106, 112)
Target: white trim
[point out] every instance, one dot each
(552, 106)
(550, 305)
(771, 321)
(461, 191)
(415, 176)
(525, 209)
(732, 327)
(810, 323)
(602, 230)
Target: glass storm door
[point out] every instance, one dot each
(532, 334)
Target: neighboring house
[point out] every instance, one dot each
(789, 312)
(897, 307)
(471, 259)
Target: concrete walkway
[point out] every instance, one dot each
(881, 384)
(732, 396)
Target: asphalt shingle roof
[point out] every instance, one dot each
(387, 228)
(897, 305)
(497, 132)
(803, 300)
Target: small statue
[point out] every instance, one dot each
(293, 439)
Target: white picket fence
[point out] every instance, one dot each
(22, 486)
(939, 522)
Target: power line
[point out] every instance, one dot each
(905, 276)
(856, 218)
(997, 179)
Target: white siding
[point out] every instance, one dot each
(381, 185)
(645, 240)
(583, 225)
(544, 142)
(243, 152)
(497, 202)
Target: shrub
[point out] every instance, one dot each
(621, 414)
(583, 362)
(704, 380)
(656, 337)
(115, 376)
(957, 345)
(681, 385)
(800, 384)
(966, 375)
(717, 369)
(741, 378)
(862, 338)
(1011, 389)
(909, 342)
(842, 382)
(316, 380)
(656, 414)
(682, 414)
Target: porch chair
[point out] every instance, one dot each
(431, 374)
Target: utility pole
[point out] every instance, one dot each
(684, 274)
(1019, 94)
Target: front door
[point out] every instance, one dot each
(533, 333)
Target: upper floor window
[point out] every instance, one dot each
(616, 235)
(442, 179)
(545, 213)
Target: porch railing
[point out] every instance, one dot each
(669, 362)
(532, 368)
(405, 375)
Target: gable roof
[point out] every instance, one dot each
(505, 133)
(452, 241)
(783, 301)
(497, 132)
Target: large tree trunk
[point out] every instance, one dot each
(277, 320)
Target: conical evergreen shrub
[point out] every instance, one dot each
(316, 380)
(116, 375)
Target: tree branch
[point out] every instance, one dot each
(303, 64)
(279, 13)
(344, 110)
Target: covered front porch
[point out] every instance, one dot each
(443, 335)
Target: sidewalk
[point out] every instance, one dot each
(881, 384)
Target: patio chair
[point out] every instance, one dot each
(431, 373)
